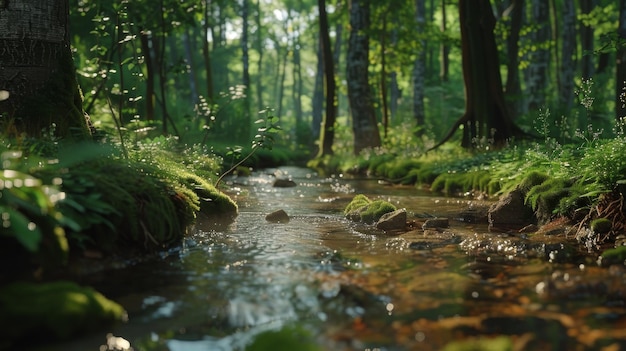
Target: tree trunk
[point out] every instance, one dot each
(486, 118)
(586, 41)
(419, 69)
(620, 79)
(513, 88)
(206, 54)
(444, 48)
(259, 48)
(383, 76)
(318, 93)
(245, 130)
(568, 50)
(148, 54)
(327, 128)
(37, 71)
(364, 125)
(537, 72)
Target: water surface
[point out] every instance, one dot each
(354, 288)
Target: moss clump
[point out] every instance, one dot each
(501, 343)
(546, 197)
(357, 203)
(362, 209)
(211, 200)
(288, 338)
(55, 311)
(613, 256)
(601, 225)
(532, 179)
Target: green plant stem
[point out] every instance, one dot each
(217, 183)
(118, 127)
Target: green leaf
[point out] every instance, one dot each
(21, 228)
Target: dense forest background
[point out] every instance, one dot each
(202, 70)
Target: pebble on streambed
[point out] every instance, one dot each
(279, 216)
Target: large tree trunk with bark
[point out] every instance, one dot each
(38, 82)
(364, 125)
(486, 117)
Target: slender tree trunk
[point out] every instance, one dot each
(620, 79)
(302, 131)
(383, 77)
(327, 129)
(586, 41)
(245, 130)
(206, 54)
(537, 71)
(37, 71)
(259, 49)
(444, 48)
(419, 70)
(189, 58)
(513, 85)
(364, 125)
(568, 50)
(148, 54)
(318, 93)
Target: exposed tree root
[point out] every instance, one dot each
(611, 207)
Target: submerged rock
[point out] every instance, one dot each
(393, 221)
(434, 223)
(279, 216)
(284, 183)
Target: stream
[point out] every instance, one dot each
(346, 286)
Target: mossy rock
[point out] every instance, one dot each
(212, 201)
(613, 256)
(53, 311)
(532, 179)
(286, 339)
(362, 209)
(500, 343)
(357, 203)
(601, 225)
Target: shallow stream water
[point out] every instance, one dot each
(349, 287)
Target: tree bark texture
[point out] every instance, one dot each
(486, 116)
(514, 97)
(537, 71)
(37, 71)
(327, 129)
(620, 79)
(364, 125)
(568, 50)
(419, 70)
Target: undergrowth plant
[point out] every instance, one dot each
(264, 139)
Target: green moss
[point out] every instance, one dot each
(546, 197)
(358, 202)
(211, 201)
(365, 210)
(54, 311)
(288, 338)
(601, 225)
(532, 179)
(375, 210)
(613, 256)
(501, 343)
